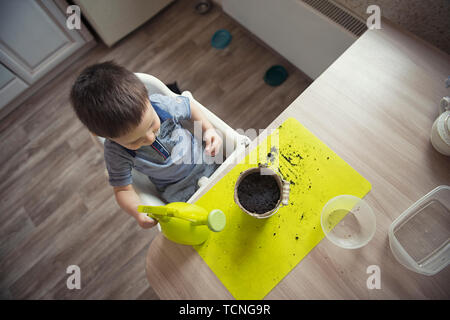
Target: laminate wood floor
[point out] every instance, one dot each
(57, 208)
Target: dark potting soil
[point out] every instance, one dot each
(258, 193)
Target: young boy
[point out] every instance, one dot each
(143, 132)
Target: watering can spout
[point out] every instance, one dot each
(158, 212)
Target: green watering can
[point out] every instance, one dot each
(186, 223)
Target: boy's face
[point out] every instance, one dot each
(144, 134)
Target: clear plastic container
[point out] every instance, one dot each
(348, 221)
(420, 237)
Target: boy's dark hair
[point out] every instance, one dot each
(108, 99)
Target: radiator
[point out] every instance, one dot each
(311, 34)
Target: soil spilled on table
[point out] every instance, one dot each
(258, 193)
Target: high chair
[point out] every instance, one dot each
(233, 144)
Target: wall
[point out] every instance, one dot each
(305, 38)
(427, 19)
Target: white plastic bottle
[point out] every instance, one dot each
(440, 132)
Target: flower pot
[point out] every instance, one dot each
(260, 192)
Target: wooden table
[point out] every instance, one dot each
(374, 106)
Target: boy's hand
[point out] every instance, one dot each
(213, 142)
(145, 221)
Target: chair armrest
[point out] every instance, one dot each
(231, 138)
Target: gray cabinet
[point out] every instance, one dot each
(34, 40)
(114, 19)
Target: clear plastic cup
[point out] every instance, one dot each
(348, 221)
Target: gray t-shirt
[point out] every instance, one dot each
(184, 150)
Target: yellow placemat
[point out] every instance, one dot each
(250, 256)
